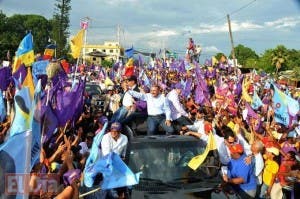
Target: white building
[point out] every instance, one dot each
(110, 50)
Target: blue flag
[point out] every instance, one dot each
(39, 67)
(21, 121)
(2, 108)
(284, 106)
(15, 159)
(129, 52)
(36, 126)
(115, 172)
(120, 175)
(256, 101)
(93, 157)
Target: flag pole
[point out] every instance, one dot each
(90, 192)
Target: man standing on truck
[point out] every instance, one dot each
(158, 109)
(114, 141)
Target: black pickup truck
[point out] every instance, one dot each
(163, 161)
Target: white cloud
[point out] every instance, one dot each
(211, 49)
(118, 2)
(286, 22)
(166, 33)
(235, 26)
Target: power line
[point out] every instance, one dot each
(241, 8)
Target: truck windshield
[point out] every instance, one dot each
(163, 160)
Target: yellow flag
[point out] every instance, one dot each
(108, 82)
(24, 54)
(231, 125)
(196, 161)
(130, 62)
(76, 44)
(223, 59)
(27, 59)
(214, 61)
(28, 82)
(245, 94)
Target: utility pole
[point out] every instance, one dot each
(232, 46)
(85, 21)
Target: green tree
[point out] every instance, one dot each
(242, 54)
(14, 28)
(279, 57)
(265, 61)
(294, 59)
(61, 24)
(219, 55)
(106, 63)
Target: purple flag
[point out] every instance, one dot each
(5, 77)
(49, 122)
(199, 96)
(187, 89)
(68, 104)
(71, 175)
(21, 72)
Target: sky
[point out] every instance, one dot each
(150, 25)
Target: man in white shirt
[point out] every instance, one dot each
(223, 144)
(128, 101)
(114, 141)
(178, 114)
(158, 109)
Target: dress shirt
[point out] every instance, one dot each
(176, 107)
(128, 100)
(259, 166)
(155, 105)
(223, 150)
(108, 144)
(198, 126)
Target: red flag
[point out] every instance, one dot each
(65, 65)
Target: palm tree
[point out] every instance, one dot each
(279, 57)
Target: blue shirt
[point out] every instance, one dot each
(239, 169)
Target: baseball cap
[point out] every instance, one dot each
(102, 120)
(292, 134)
(90, 134)
(236, 148)
(273, 150)
(178, 86)
(116, 126)
(207, 127)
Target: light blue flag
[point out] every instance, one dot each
(129, 52)
(284, 106)
(26, 45)
(23, 104)
(2, 108)
(256, 101)
(120, 176)
(39, 67)
(15, 159)
(36, 121)
(115, 172)
(93, 157)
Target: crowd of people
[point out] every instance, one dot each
(259, 154)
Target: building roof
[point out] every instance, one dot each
(97, 54)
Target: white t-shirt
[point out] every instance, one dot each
(108, 144)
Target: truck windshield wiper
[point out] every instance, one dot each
(187, 180)
(158, 182)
